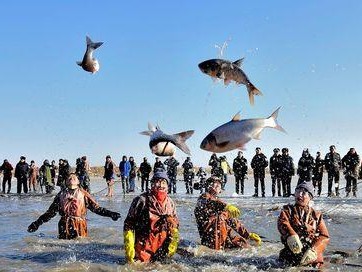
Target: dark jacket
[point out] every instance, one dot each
(275, 165)
(305, 168)
(350, 164)
(318, 168)
(259, 163)
(6, 168)
(332, 162)
(21, 170)
(171, 164)
(109, 170)
(287, 166)
(145, 169)
(240, 166)
(158, 164)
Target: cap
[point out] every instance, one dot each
(285, 149)
(22, 158)
(258, 148)
(276, 150)
(308, 186)
(160, 173)
(108, 156)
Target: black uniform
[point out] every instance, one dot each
(305, 167)
(275, 173)
(318, 174)
(215, 164)
(6, 168)
(350, 164)
(286, 173)
(21, 174)
(259, 163)
(188, 175)
(172, 164)
(240, 168)
(332, 162)
(145, 170)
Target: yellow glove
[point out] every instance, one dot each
(129, 241)
(309, 256)
(175, 238)
(255, 237)
(294, 244)
(232, 210)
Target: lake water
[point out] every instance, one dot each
(103, 250)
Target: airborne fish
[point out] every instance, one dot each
(229, 71)
(163, 144)
(236, 133)
(89, 63)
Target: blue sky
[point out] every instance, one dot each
(305, 57)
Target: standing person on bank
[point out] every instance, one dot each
(109, 175)
(259, 163)
(6, 168)
(275, 171)
(333, 164)
(287, 171)
(318, 173)
(240, 169)
(21, 174)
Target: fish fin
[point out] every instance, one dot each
(257, 136)
(79, 63)
(93, 45)
(147, 132)
(273, 117)
(238, 62)
(252, 90)
(181, 140)
(237, 117)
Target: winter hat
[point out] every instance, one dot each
(308, 186)
(160, 173)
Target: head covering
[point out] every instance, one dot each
(22, 158)
(276, 149)
(210, 181)
(285, 150)
(160, 173)
(258, 148)
(308, 186)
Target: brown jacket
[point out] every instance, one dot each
(152, 223)
(217, 230)
(72, 206)
(309, 225)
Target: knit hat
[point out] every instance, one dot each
(159, 173)
(308, 186)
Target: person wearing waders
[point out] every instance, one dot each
(259, 163)
(188, 175)
(240, 169)
(287, 171)
(151, 226)
(72, 203)
(350, 165)
(275, 171)
(318, 173)
(302, 230)
(217, 221)
(332, 162)
(171, 164)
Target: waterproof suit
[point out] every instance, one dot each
(309, 225)
(216, 228)
(72, 205)
(152, 223)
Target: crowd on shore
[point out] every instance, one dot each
(281, 168)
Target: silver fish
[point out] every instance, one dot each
(163, 144)
(229, 71)
(236, 133)
(89, 63)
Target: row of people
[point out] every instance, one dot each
(151, 228)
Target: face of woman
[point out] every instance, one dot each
(302, 197)
(160, 185)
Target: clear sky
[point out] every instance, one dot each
(304, 56)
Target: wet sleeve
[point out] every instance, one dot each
(134, 214)
(50, 213)
(92, 205)
(322, 240)
(284, 227)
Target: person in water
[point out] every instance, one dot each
(151, 226)
(72, 203)
(217, 221)
(302, 230)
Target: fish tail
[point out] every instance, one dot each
(91, 44)
(252, 90)
(274, 122)
(181, 140)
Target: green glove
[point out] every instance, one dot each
(309, 256)
(255, 237)
(175, 238)
(232, 210)
(129, 242)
